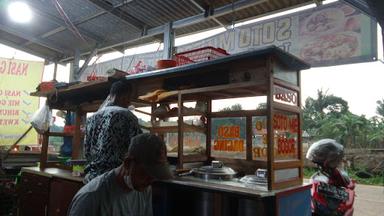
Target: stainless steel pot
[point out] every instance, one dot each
(216, 170)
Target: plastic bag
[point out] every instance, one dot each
(41, 119)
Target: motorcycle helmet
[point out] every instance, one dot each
(326, 152)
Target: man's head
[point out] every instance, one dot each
(122, 93)
(146, 161)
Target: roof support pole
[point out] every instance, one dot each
(208, 13)
(85, 65)
(75, 67)
(169, 41)
(55, 71)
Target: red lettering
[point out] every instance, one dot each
(25, 69)
(9, 112)
(294, 125)
(3, 66)
(228, 145)
(9, 121)
(286, 146)
(11, 67)
(228, 132)
(13, 102)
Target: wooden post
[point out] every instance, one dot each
(180, 132)
(44, 151)
(299, 138)
(270, 135)
(76, 141)
(248, 129)
(208, 135)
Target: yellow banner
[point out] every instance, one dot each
(17, 79)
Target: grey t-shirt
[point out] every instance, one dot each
(103, 196)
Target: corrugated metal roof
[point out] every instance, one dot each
(118, 24)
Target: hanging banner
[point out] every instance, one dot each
(332, 34)
(17, 79)
(131, 64)
(327, 35)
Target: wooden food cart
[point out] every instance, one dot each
(268, 136)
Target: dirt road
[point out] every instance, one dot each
(369, 200)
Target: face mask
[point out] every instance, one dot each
(128, 182)
(128, 179)
(131, 107)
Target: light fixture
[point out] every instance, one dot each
(19, 12)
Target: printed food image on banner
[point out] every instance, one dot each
(228, 137)
(332, 33)
(17, 79)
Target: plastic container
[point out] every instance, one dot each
(199, 55)
(165, 63)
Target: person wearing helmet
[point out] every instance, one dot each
(327, 153)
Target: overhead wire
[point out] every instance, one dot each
(67, 20)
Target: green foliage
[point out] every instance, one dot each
(308, 172)
(328, 116)
(317, 110)
(375, 180)
(380, 107)
(234, 107)
(262, 106)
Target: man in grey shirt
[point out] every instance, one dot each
(126, 189)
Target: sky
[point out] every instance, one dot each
(359, 84)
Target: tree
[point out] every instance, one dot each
(376, 135)
(327, 116)
(234, 107)
(380, 107)
(262, 106)
(319, 109)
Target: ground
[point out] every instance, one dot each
(369, 200)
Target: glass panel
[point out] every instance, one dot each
(193, 143)
(286, 174)
(228, 137)
(234, 104)
(285, 96)
(286, 129)
(259, 137)
(284, 74)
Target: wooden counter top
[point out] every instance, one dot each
(52, 172)
(233, 187)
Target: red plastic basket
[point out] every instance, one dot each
(199, 55)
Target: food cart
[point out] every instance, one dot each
(220, 177)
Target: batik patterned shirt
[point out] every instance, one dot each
(108, 136)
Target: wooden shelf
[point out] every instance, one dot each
(186, 112)
(42, 94)
(190, 158)
(59, 134)
(187, 128)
